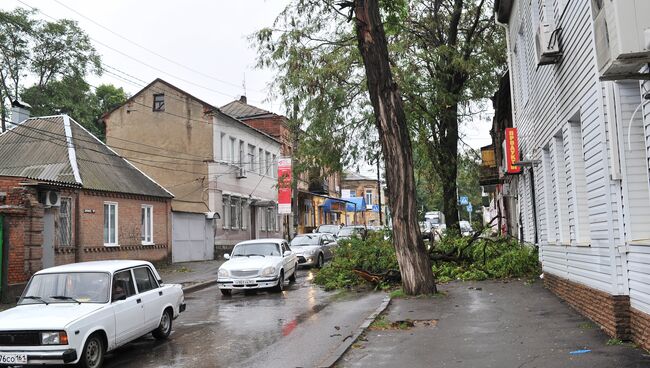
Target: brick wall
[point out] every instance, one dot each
(611, 312)
(276, 127)
(640, 328)
(91, 231)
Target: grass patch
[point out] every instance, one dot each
(586, 326)
(614, 342)
(397, 294)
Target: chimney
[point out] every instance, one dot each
(242, 99)
(19, 112)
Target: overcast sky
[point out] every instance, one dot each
(209, 38)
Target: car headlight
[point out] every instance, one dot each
(54, 338)
(223, 273)
(268, 271)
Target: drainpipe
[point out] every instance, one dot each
(77, 220)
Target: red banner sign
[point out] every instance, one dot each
(512, 151)
(284, 186)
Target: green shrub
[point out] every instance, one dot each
(374, 255)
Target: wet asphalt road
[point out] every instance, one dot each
(263, 328)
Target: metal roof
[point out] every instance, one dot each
(243, 111)
(43, 148)
(356, 176)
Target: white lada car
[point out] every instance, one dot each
(74, 314)
(257, 264)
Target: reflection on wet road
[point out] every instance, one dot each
(221, 332)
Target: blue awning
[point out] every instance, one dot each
(360, 204)
(327, 205)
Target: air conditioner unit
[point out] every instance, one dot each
(621, 31)
(52, 198)
(241, 172)
(547, 46)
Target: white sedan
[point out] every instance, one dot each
(74, 314)
(257, 264)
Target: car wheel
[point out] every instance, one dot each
(320, 261)
(280, 286)
(292, 278)
(92, 355)
(165, 326)
(226, 292)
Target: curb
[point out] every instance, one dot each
(345, 345)
(200, 286)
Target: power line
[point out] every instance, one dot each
(145, 48)
(134, 58)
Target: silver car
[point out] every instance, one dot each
(313, 249)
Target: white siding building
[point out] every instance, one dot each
(584, 138)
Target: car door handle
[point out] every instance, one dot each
(160, 293)
(139, 301)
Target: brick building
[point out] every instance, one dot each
(66, 197)
(355, 185)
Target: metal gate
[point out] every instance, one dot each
(192, 237)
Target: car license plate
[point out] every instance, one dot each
(243, 282)
(13, 358)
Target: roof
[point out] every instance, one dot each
(96, 266)
(348, 175)
(243, 111)
(58, 149)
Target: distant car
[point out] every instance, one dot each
(258, 264)
(425, 230)
(465, 228)
(348, 232)
(75, 313)
(313, 249)
(329, 229)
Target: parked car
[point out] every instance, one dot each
(313, 249)
(425, 230)
(328, 229)
(258, 264)
(465, 228)
(348, 232)
(76, 313)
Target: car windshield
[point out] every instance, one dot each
(330, 229)
(256, 249)
(348, 231)
(301, 240)
(73, 287)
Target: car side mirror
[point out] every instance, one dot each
(287, 253)
(226, 256)
(314, 231)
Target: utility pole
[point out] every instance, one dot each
(381, 219)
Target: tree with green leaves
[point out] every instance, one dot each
(45, 52)
(444, 56)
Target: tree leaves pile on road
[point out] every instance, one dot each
(483, 259)
(375, 255)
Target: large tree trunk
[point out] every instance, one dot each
(414, 263)
(448, 169)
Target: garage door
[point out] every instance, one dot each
(192, 237)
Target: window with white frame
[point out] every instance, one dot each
(368, 196)
(234, 221)
(275, 167)
(245, 210)
(110, 223)
(233, 150)
(242, 157)
(267, 163)
(223, 149)
(578, 208)
(146, 224)
(560, 189)
(549, 198)
(240, 219)
(225, 205)
(251, 157)
(260, 158)
(65, 222)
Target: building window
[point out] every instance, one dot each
(226, 211)
(159, 102)
(251, 157)
(234, 221)
(65, 222)
(267, 164)
(232, 150)
(260, 158)
(275, 167)
(146, 223)
(222, 150)
(110, 223)
(245, 214)
(560, 190)
(368, 196)
(578, 208)
(242, 159)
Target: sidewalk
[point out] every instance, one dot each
(488, 324)
(191, 274)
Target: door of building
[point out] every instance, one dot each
(48, 238)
